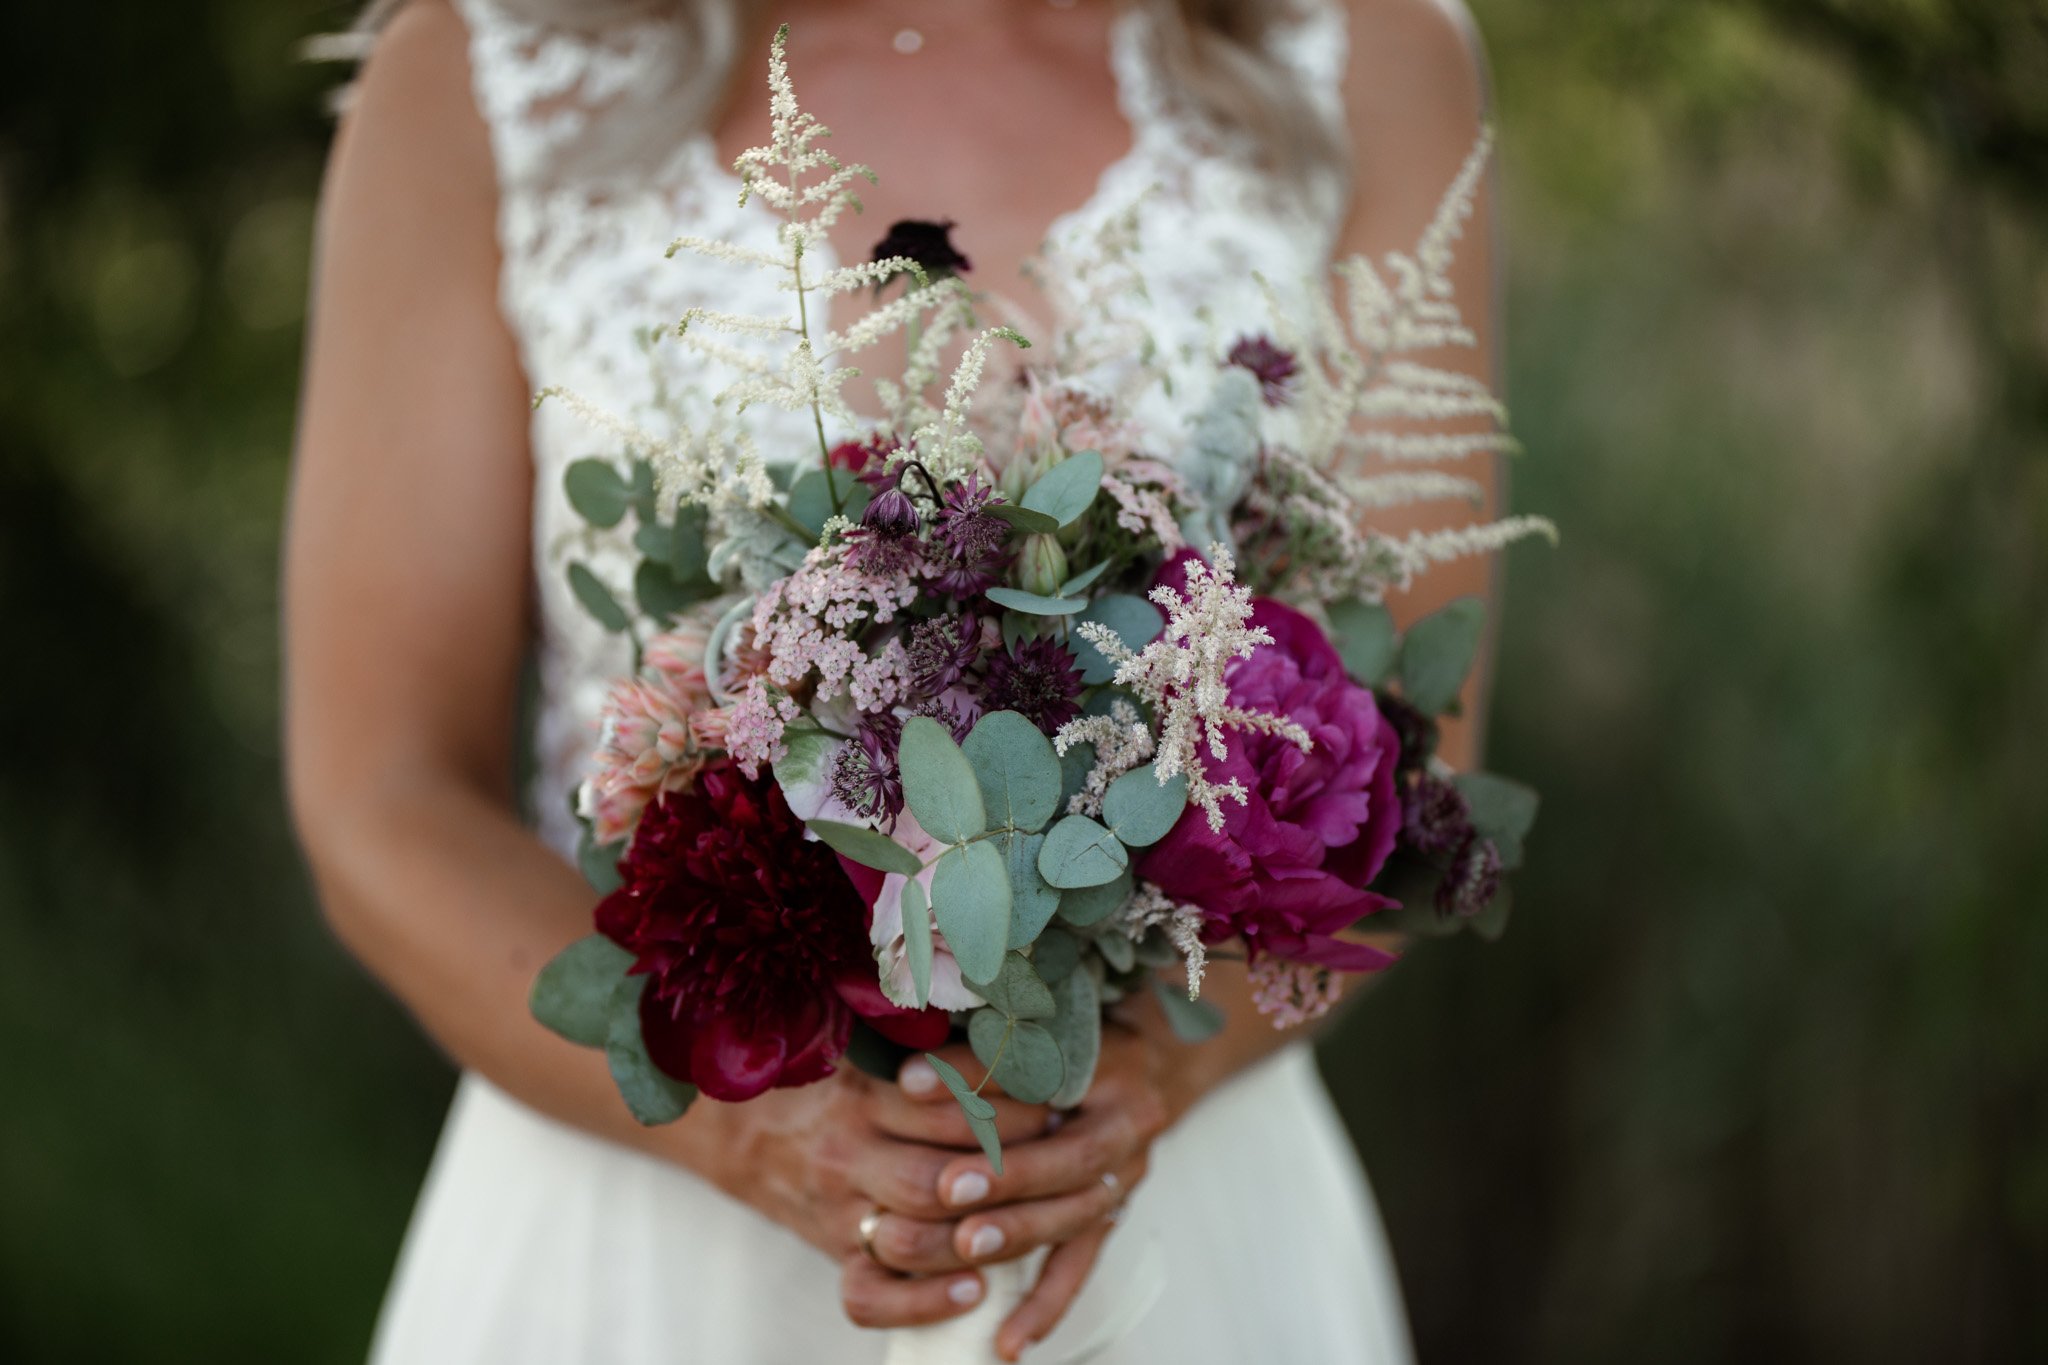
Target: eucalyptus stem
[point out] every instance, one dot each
(1009, 1028)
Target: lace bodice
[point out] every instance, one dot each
(585, 282)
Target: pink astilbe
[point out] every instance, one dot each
(1293, 993)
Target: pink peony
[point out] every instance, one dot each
(1289, 870)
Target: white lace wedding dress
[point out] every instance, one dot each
(534, 1244)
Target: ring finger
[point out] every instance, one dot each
(1002, 1234)
(912, 1245)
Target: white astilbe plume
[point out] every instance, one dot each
(1180, 674)
(1182, 923)
(948, 448)
(1122, 742)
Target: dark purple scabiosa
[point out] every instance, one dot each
(1435, 819)
(940, 651)
(1273, 367)
(1473, 880)
(1038, 679)
(864, 773)
(929, 243)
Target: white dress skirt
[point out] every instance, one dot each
(534, 1244)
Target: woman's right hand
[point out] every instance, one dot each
(820, 1158)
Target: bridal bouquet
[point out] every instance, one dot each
(1010, 709)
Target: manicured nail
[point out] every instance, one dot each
(964, 1292)
(970, 1188)
(986, 1241)
(918, 1077)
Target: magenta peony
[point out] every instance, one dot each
(755, 940)
(1289, 870)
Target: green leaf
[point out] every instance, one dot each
(598, 492)
(874, 1054)
(661, 595)
(1083, 580)
(1065, 491)
(1139, 810)
(1032, 902)
(1022, 1058)
(1118, 951)
(867, 847)
(1088, 905)
(1075, 765)
(917, 940)
(971, 898)
(1017, 770)
(1195, 1021)
(1017, 990)
(1364, 634)
(1033, 604)
(1055, 953)
(1502, 810)
(597, 599)
(644, 494)
(1492, 920)
(939, 783)
(1076, 1027)
(810, 499)
(688, 554)
(599, 863)
(1079, 852)
(981, 1115)
(573, 993)
(652, 1094)
(1029, 522)
(1136, 622)
(1437, 652)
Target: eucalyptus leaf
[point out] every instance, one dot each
(1075, 765)
(1139, 810)
(1195, 1021)
(1025, 520)
(1118, 951)
(1502, 810)
(661, 595)
(573, 993)
(1032, 902)
(597, 599)
(917, 940)
(867, 847)
(939, 784)
(644, 492)
(1365, 640)
(1017, 770)
(650, 1093)
(984, 1129)
(1492, 920)
(1437, 652)
(599, 863)
(981, 1115)
(810, 498)
(1066, 490)
(1083, 580)
(873, 1054)
(1021, 1057)
(1079, 852)
(651, 540)
(1136, 622)
(688, 554)
(1088, 905)
(1055, 954)
(1017, 990)
(1034, 604)
(1076, 1026)
(971, 900)
(598, 492)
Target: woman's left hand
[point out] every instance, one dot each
(1065, 1189)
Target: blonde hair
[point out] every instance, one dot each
(1218, 57)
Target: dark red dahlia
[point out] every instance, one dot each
(755, 941)
(1038, 679)
(1273, 367)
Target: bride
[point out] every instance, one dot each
(505, 179)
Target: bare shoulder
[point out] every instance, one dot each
(412, 117)
(1415, 96)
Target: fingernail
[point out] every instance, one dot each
(970, 1188)
(964, 1292)
(918, 1077)
(986, 1241)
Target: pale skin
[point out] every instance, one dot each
(408, 610)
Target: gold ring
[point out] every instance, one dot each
(870, 1224)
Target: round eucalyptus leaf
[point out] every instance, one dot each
(1502, 810)
(1437, 652)
(1195, 1021)
(1088, 905)
(1075, 765)
(1136, 622)
(597, 599)
(1140, 810)
(650, 1093)
(1017, 990)
(1056, 953)
(1076, 1026)
(867, 847)
(917, 940)
(1364, 636)
(810, 498)
(598, 492)
(971, 900)
(1078, 852)
(1034, 604)
(660, 594)
(599, 863)
(1021, 1057)
(1017, 769)
(1032, 901)
(573, 993)
(939, 784)
(1066, 490)
(1025, 520)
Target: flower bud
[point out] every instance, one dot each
(892, 513)
(1042, 565)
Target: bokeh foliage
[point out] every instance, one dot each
(1756, 1073)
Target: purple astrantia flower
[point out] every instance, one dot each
(1273, 367)
(891, 513)
(1038, 679)
(963, 522)
(864, 773)
(1472, 881)
(1290, 869)
(957, 714)
(1435, 819)
(928, 243)
(941, 650)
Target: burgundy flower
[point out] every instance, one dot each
(891, 513)
(1472, 881)
(865, 777)
(856, 457)
(928, 243)
(1435, 818)
(1273, 367)
(940, 651)
(1038, 679)
(963, 521)
(1290, 869)
(754, 940)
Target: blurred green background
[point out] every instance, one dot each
(1760, 1071)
